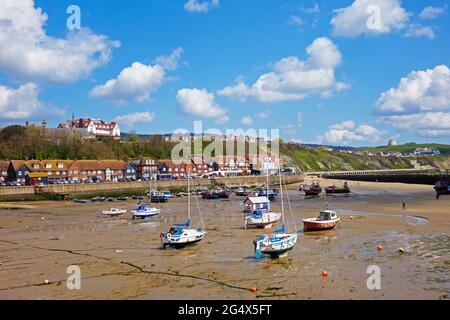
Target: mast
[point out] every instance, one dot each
(189, 197)
(281, 193)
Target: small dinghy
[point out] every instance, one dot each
(114, 212)
(144, 212)
(182, 235)
(80, 200)
(326, 220)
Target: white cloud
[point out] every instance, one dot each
(369, 17)
(129, 120)
(432, 124)
(200, 6)
(133, 83)
(201, 103)
(170, 62)
(419, 91)
(28, 53)
(247, 120)
(292, 78)
(347, 132)
(431, 12)
(296, 20)
(264, 114)
(23, 104)
(420, 103)
(417, 30)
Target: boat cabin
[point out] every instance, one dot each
(327, 215)
(255, 203)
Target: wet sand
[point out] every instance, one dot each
(121, 258)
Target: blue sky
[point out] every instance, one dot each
(231, 44)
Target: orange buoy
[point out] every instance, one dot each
(324, 274)
(380, 247)
(46, 282)
(253, 290)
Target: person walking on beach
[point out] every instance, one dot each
(404, 206)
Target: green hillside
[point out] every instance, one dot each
(408, 148)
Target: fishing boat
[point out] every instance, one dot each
(182, 235)
(167, 194)
(114, 212)
(143, 211)
(80, 200)
(279, 243)
(223, 193)
(158, 197)
(337, 190)
(311, 189)
(98, 199)
(442, 188)
(206, 194)
(326, 220)
(272, 194)
(241, 192)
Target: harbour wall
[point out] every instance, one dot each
(249, 181)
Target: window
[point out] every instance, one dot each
(60, 165)
(48, 165)
(36, 166)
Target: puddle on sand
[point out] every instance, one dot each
(409, 219)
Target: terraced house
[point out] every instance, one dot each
(97, 170)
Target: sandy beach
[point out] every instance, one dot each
(121, 258)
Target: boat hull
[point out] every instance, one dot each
(276, 249)
(181, 242)
(266, 221)
(337, 191)
(317, 225)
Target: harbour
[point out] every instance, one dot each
(121, 258)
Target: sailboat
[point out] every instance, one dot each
(279, 243)
(181, 235)
(262, 217)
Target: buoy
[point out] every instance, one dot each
(401, 250)
(380, 247)
(46, 282)
(324, 274)
(253, 290)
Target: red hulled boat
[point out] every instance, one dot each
(327, 219)
(311, 189)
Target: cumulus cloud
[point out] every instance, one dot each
(23, 104)
(419, 91)
(369, 17)
(247, 120)
(347, 132)
(170, 62)
(136, 83)
(200, 6)
(431, 12)
(417, 30)
(129, 120)
(419, 103)
(201, 103)
(292, 78)
(28, 53)
(296, 20)
(428, 124)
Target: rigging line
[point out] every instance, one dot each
(290, 207)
